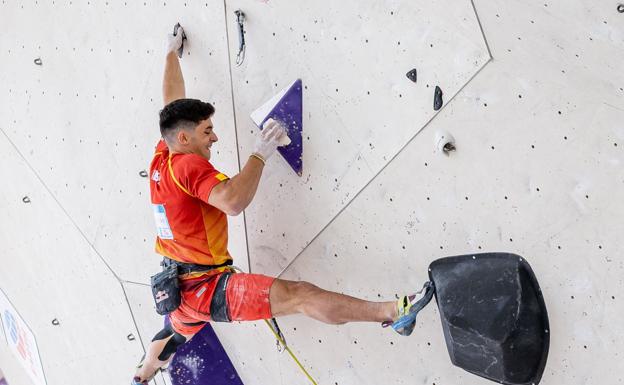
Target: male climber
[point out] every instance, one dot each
(192, 200)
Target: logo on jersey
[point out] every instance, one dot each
(156, 176)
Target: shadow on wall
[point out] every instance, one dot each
(2, 379)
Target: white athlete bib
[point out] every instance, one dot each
(162, 224)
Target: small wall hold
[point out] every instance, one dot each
(620, 8)
(445, 142)
(437, 99)
(55, 322)
(26, 199)
(38, 61)
(412, 75)
(143, 174)
(131, 337)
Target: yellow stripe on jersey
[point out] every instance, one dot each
(174, 178)
(221, 177)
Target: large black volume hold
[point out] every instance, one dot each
(493, 316)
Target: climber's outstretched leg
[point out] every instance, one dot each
(290, 297)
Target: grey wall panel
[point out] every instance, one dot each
(359, 107)
(252, 348)
(49, 271)
(95, 102)
(148, 322)
(525, 179)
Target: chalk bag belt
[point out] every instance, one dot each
(185, 268)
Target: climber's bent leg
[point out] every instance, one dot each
(174, 340)
(159, 353)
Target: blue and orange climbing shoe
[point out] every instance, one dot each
(408, 308)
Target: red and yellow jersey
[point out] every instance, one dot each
(189, 229)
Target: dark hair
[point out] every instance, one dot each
(183, 113)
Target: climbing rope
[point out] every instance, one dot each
(281, 340)
(278, 334)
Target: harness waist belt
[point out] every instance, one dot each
(185, 268)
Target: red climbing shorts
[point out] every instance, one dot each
(221, 297)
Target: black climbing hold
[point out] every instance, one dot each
(26, 200)
(131, 337)
(55, 322)
(38, 61)
(437, 99)
(412, 75)
(620, 8)
(143, 173)
(493, 316)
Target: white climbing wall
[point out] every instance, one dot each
(533, 94)
(359, 107)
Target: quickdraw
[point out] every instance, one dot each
(240, 19)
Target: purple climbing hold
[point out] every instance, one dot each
(202, 361)
(437, 99)
(289, 111)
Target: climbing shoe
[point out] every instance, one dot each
(407, 309)
(138, 381)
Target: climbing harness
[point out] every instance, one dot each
(240, 19)
(165, 285)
